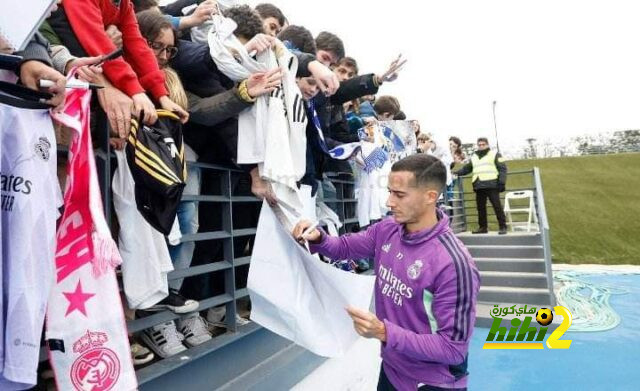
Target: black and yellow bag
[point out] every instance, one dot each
(156, 157)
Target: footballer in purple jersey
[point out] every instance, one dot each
(426, 282)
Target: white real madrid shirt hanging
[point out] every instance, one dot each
(29, 198)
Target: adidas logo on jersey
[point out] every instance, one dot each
(386, 247)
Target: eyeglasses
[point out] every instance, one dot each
(158, 48)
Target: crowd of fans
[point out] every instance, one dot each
(167, 64)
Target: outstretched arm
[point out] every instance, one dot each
(350, 246)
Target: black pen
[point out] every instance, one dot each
(111, 56)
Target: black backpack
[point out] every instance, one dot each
(156, 157)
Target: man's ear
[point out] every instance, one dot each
(432, 196)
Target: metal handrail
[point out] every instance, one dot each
(543, 221)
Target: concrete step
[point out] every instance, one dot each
(511, 265)
(504, 240)
(275, 373)
(502, 294)
(499, 251)
(484, 318)
(514, 279)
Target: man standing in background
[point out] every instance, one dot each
(489, 180)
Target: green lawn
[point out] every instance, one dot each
(593, 205)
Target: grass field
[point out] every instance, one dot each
(593, 205)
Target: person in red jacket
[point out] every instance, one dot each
(138, 71)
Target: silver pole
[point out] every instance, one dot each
(495, 126)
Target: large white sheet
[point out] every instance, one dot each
(299, 297)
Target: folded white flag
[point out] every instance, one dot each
(299, 297)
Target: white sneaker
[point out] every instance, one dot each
(194, 330)
(140, 354)
(164, 339)
(216, 317)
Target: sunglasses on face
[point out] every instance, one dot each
(158, 48)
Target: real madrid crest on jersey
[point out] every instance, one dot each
(42, 148)
(414, 270)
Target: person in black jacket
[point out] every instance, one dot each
(489, 180)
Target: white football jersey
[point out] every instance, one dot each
(30, 197)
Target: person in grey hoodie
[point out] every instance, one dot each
(426, 282)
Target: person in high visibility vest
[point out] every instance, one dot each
(489, 180)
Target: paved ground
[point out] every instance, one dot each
(599, 360)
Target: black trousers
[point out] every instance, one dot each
(385, 385)
(481, 202)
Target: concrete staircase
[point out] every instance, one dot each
(512, 270)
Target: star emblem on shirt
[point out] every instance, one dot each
(77, 299)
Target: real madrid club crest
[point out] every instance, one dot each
(42, 148)
(97, 368)
(414, 270)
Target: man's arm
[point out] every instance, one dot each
(502, 171)
(355, 88)
(466, 169)
(210, 111)
(37, 49)
(85, 17)
(453, 307)
(139, 54)
(349, 246)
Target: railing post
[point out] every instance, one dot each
(544, 230)
(228, 252)
(463, 201)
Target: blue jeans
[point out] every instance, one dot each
(182, 254)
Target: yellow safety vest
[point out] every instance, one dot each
(484, 169)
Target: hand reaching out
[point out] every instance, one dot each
(391, 73)
(259, 43)
(327, 80)
(264, 82)
(170, 105)
(31, 72)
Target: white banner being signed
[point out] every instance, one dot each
(299, 297)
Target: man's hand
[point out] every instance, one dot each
(261, 188)
(327, 80)
(118, 107)
(264, 82)
(31, 72)
(259, 43)
(5, 48)
(169, 105)
(312, 237)
(114, 35)
(117, 143)
(142, 103)
(367, 324)
(85, 68)
(392, 72)
(202, 13)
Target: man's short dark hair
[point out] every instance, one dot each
(400, 116)
(349, 62)
(386, 104)
(247, 19)
(143, 5)
(299, 37)
(427, 170)
(483, 139)
(331, 43)
(268, 10)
